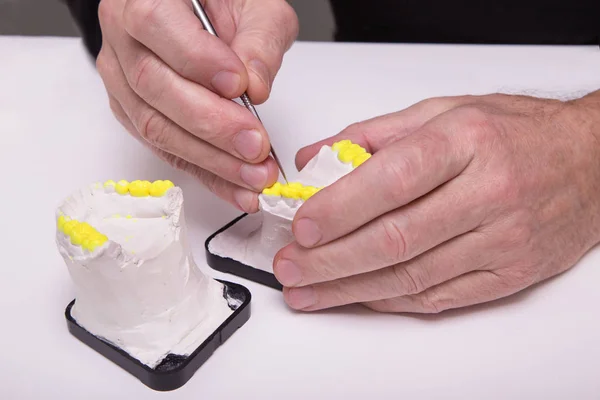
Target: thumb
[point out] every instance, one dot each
(265, 31)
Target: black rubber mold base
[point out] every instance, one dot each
(231, 266)
(175, 370)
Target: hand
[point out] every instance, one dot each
(170, 83)
(465, 200)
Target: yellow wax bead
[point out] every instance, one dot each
(61, 222)
(128, 216)
(77, 237)
(359, 159)
(85, 243)
(341, 144)
(110, 183)
(85, 227)
(349, 153)
(274, 190)
(68, 227)
(307, 192)
(292, 192)
(102, 238)
(159, 188)
(93, 243)
(139, 188)
(122, 187)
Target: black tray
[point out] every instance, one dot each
(231, 266)
(174, 371)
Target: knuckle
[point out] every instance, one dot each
(518, 276)
(408, 280)
(154, 129)
(396, 171)
(144, 73)
(290, 21)
(102, 64)
(116, 109)
(216, 126)
(105, 13)
(139, 14)
(431, 302)
(476, 123)
(520, 233)
(354, 129)
(503, 189)
(393, 247)
(271, 45)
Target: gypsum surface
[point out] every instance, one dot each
(136, 282)
(255, 239)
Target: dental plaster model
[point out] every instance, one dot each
(137, 285)
(255, 239)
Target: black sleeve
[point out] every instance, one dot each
(85, 14)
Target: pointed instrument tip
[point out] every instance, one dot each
(279, 164)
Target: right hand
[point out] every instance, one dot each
(170, 83)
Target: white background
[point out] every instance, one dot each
(58, 134)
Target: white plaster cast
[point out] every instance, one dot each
(141, 290)
(256, 239)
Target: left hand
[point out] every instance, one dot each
(465, 200)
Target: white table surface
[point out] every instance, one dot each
(58, 133)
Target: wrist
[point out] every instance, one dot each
(583, 118)
(589, 109)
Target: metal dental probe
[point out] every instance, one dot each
(203, 17)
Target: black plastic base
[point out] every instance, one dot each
(231, 266)
(175, 370)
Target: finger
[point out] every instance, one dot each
(217, 121)
(398, 236)
(470, 289)
(242, 199)
(377, 133)
(169, 137)
(466, 253)
(266, 30)
(395, 176)
(172, 32)
(108, 66)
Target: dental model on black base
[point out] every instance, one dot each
(140, 298)
(247, 246)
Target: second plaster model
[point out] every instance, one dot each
(255, 239)
(137, 285)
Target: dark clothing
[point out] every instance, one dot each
(85, 14)
(469, 21)
(428, 21)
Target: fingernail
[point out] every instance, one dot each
(300, 298)
(288, 273)
(255, 175)
(248, 144)
(260, 69)
(226, 83)
(307, 232)
(244, 199)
